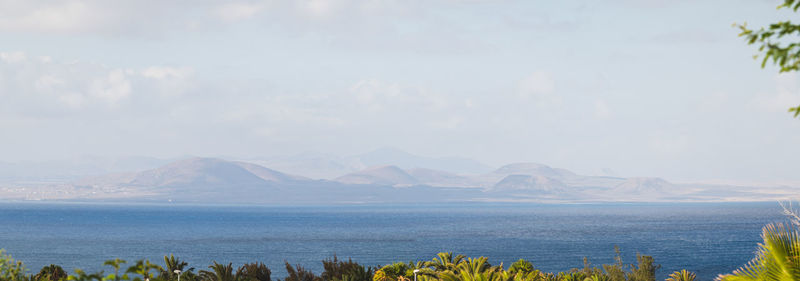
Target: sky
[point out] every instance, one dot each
(639, 87)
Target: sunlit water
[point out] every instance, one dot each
(706, 238)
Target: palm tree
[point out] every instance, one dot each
(220, 272)
(777, 259)
(473, 269)
(51, 273)
(335, 269)
(393, 272)
(599, 277)
(551, 276)
(116, 263)
(503, 275)
(425, 273)
(682, 275)
(521, 266)
(80, 275)
(574, 276)
(445, 261)
(534, 275)
(143, 268)
(380, 275)
(171, 263)
(254, 272)
(300, 274)
(359, 273)
(474, 266)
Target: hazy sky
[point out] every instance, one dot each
(643, 87)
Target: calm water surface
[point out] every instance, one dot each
(706, 238)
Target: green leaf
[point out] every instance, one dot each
(796, 111)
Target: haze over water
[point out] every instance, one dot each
(706, 238)
(397, 116)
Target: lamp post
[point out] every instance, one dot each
(415, 274)
(178, 271)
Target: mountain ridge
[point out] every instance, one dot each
(202, 179)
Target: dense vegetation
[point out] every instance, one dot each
(778, 258)
(443, 267)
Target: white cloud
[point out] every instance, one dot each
(45, 59)
(369, 106)
(48, 83)
(401, 26)
(165, 72)
(376, 96)
(716, 100)
(368, 73)
(115, 18)
(372, 94)
(137, 17)
(539, 87)
(336, 10)
(786, 94)
(59, 16)
(448, 123)
(239, 11)
(320, 8)
(668, 144)
(72, 100)
(349, 19)
(46, 86)
(111, 89)
(601, 109)
(13, 57)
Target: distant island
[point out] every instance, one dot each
(221, 181)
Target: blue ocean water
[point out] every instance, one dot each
(708, 238)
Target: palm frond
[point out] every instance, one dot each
(777, 259)
(682, 275)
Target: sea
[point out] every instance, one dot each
(706, 238)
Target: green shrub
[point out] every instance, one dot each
(11, 270)
(51, 273)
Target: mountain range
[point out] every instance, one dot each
(326, 166)
(215, 180)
